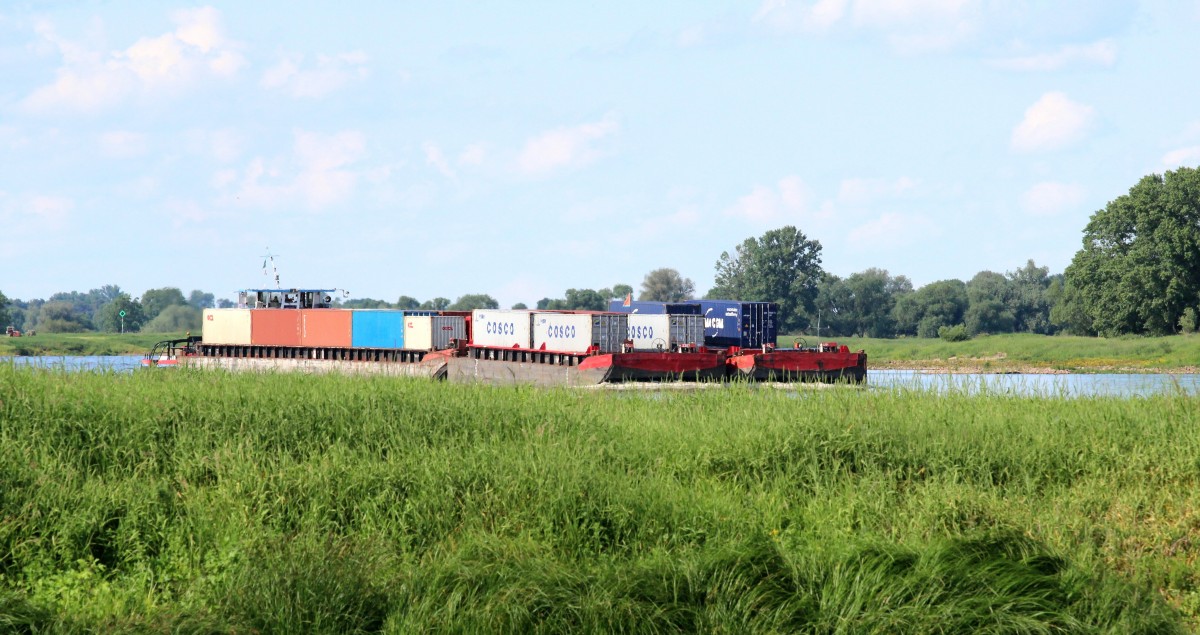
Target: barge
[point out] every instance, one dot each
(301, 330)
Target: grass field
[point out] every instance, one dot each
(82, 343)
(1031, 353)
(207, 502)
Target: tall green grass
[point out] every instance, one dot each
(1022, 351)
(210, 502)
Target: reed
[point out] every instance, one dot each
(211, 502)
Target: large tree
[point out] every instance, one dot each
(61, 316)
(155, 300)
(5, 319)
(473, 301)
(924, 311)
(666, 285)
(781, 266)
(1139, 269)
(109, 319)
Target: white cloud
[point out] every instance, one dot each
(565, 147)
(1051, 123)
(789, 200)
(866, 191)
(908, 25)
(50, 211)
(89, 81)
(1182, 157)
(892, 230)
(328, 74)
(318, 174)
(122, 144)
(682, 221)
(1050, 198)
(1101, 53)
(472, 155)
(435, 158)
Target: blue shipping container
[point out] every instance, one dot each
(377, 328)
(654, 308)
(732, 323)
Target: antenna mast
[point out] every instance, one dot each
(270, 257)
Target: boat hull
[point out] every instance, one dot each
(800, 365)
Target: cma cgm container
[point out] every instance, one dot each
(226, 326)
(325, 328)
(275, 327)
(577, 332)
(733, 323)
(377, 328)
(656, 308)
(433, 332)
(498, 328)
(651, 332)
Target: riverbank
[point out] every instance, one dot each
(82, 343)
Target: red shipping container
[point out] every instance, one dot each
(275, 327)
(326, 328)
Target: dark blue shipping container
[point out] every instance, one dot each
(377, 328)
(726, 322)
(654, 308)
(733, 323)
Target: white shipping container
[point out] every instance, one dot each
(650, 332)
(418, 332)
(226, 326)
(576, 332)
(500, 329)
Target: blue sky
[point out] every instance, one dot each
(518, 149)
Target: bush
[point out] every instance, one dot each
(175, 319)
(1187, 322)
(954, 333)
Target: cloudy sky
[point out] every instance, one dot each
(521, 148)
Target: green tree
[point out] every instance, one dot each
(108, 318)
(931, 307)
(201, 300)
(782, 266)
(835, 312)
(620, 291)
(436, 304)
(176, 318)
(1030, 301)
(408, 303)
(5, 316)
(61, 316)
(989, 295)
(155, 300)
(872, 299)
(520, 306)
(473, 301)
(666, 285)
(1139, 268)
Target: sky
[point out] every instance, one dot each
(519, 149)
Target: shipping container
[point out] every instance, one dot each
(651, 332)
(498, 328)
(326, 328)
(433, 333)
(643, 307)
(577, 332)
(733, 323)
(275, 327)
(377, 328)
(226, 326)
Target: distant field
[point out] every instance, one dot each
(1026, 352)
(209, 502)
(82, 343)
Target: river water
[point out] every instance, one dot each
(1070, 385)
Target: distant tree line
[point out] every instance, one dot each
(1138, 272)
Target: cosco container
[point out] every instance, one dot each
(377, 328)
(275, 327)
(325, 328)
(642, 307)
(226, 326)
(651, 332)
(433, 332)
(497, 328)
(732, 323)
(578, 332)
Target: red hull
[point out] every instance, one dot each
(659, 366)
(801, 365)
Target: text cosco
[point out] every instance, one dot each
(641, 332)
(501, 328)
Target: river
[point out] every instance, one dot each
(1069, 385)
